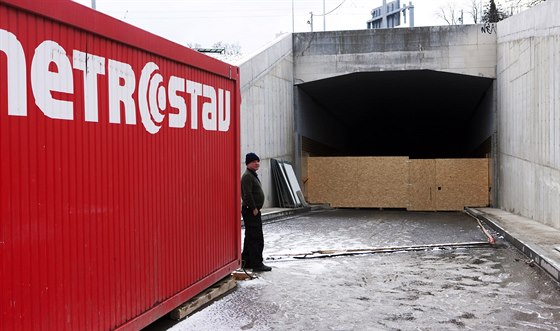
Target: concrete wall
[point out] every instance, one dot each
(528, 90)
(463, 49)
(267, 108)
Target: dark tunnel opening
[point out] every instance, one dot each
(416, 113)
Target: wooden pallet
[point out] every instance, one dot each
(209, 295)
(242, 275)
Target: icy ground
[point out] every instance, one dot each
(492, 288)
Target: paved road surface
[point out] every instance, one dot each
(492, 288)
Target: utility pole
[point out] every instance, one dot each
(411, 11)
(324, 17)
(93, 4)
(310, 21)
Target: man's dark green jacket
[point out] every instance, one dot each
(251, 190)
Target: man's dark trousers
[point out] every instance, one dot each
(253, 243)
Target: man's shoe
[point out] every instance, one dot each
(262, 267)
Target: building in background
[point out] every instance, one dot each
(389, 15)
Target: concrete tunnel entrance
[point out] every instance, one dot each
(427, 136)
(415, 113)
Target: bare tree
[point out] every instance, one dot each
(482, 11)
(516, 6)
(229, 48)
(449, 13)
(476, 10)
(193, 45)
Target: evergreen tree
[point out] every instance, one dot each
(493, 13)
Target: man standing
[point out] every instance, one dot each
(253, 200)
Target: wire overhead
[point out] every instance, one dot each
(325, 14)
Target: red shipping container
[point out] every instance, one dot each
(119, 170)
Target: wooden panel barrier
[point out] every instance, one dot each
(461, 183)
(422, 185)
(397, 182)
(368, 182)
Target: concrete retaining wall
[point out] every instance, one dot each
(267, 108)
(462, 49)
(528, 87)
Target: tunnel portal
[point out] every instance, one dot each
(414, 113)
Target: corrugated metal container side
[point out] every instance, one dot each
(119, 165)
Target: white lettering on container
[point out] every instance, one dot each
(92, 66)
(44, 81)
(176, 85)
(17, 92)
(121, 93)
(52, 84)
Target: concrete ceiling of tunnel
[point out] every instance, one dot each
(405, 98)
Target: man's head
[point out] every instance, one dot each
(252, 161)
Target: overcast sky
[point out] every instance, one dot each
(254, 23)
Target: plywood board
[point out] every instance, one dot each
(367, 182)
(461, 183)
(422, 185)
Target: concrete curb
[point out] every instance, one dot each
(530, 249)
(275, 215)
(284, 213)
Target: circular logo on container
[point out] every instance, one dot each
(152, 99)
